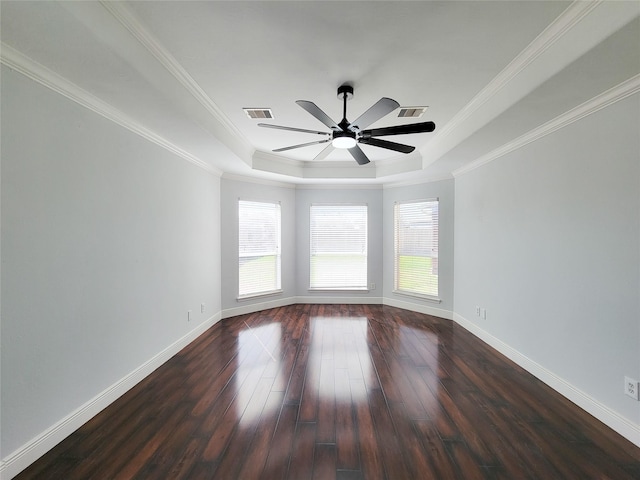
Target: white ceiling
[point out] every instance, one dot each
(179, 73)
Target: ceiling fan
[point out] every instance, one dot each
(347, 135)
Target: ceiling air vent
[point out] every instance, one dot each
(412, 112)
(258, 112)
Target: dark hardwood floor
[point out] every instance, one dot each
(345, 392)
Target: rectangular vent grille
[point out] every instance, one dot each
(258, 112)
(411, 112)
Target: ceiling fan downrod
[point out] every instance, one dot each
(345, 92)
(345, 137)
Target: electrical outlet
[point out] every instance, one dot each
(631, 387)
(372, 286)
(484, 313)
(477, 311)
(188, 315)
(202, 308)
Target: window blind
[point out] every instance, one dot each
(258, 247)
(338, 247)
(416, 247)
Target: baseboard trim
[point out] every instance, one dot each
(418, 307)
(311, 299)
(612, 419)
(256, 307)
(326, 300)
(19, 460)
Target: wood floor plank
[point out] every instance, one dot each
(416, 457)
(324, 462)
(257, 450)
(388, 438)
(440, 461)
(303, 453)
(340, 391)
(279, 457)
(172, 422)
(369, 449)
(346, 434)
(186, 460)
(467, 467)
(326, 429)
(243, 434)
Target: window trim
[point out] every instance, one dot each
(409, 293)
(278, 290)
(359, 289)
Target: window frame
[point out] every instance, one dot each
(344, 288)
(396, 253)
(277, 252)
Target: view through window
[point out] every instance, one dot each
(416, 247)
(259, 248)
(338, 247)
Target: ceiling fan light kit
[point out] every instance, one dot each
(344, 140)
(347, 135)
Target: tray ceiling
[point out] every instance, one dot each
(181, 73)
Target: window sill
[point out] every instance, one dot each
(421, 296)
(258, 295)
(354, 289)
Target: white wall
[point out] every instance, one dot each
(107, 241)
(231, 192)
(547, 239)
(444, 191)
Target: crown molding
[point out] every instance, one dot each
(619, 92)
(268, 162)
(31, 69)
(128, 20)
(272, 157)
(582, 25)
(550, 35)
(259, 181)
(338, 186)
(418, 180)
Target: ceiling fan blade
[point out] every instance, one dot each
(400, 129)
(314, 110)
(325, 152)
(301, 145)
(292, 129)
(359, 155)
(378, 110)
(398, 147)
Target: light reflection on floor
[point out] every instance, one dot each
(339, 355)
(259, 361)
(340, 364)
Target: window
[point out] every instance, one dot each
(416, 247)
(259, 248)
(338, 247)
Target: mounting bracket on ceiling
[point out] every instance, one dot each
(345, 89)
